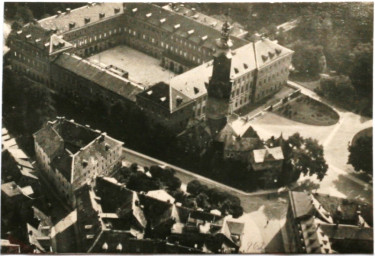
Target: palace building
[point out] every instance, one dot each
(55, 51)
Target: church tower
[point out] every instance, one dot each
(219, 86)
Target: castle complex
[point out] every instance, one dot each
(54, 51)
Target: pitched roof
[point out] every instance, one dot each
(241, 144)
(196, 32)
(268, 154)
(161, 94)
(236, 30)
(236, 227)
(98, 75)
(161, 195)
(49, 140)
(267, 51)
(192, 82)
(301, 204)
(347, 232)
(35, 35)
(11, 189)
(119, 199)
(61, 22)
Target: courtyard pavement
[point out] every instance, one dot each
(340, 179)
(142, 68)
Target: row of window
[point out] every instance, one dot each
(96, 37)
(274, 66)
(181, 41)
(276, 75)
(168, 47)
(39, 65)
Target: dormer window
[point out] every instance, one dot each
(271, 54)
(87, 20)
(264, 58)
(116, 10)
(245, 66)
(236, 70)
(101, 15)
(178, 100)
(196, 90)
(84, 163)
(107, 147)
(278, 51)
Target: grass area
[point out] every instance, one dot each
(308, 111)
(309, 82)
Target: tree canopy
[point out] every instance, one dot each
(360, 154)
(303, 156)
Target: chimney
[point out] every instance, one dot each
(177, 26)
(68, 10)
(204, 38)
(58, 13)
(72, 24)
(134, 10)
(162, 20)
(148, 15)
(190, 32)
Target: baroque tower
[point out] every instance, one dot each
(219, 86)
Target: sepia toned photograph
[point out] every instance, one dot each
(187, 128)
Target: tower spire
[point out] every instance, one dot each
(225, 42)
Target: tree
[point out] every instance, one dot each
(40, 107)
(360, 154)
(361, 73)
(304, 156)
(307, 57)
(339, 89)
(141, 182)
(24, 13)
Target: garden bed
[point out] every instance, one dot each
(308, 111)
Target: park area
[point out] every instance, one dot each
(308, 111)
(142, 68)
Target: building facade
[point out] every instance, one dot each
(70, 154)
(52, 51)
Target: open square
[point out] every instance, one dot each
(142, 68)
